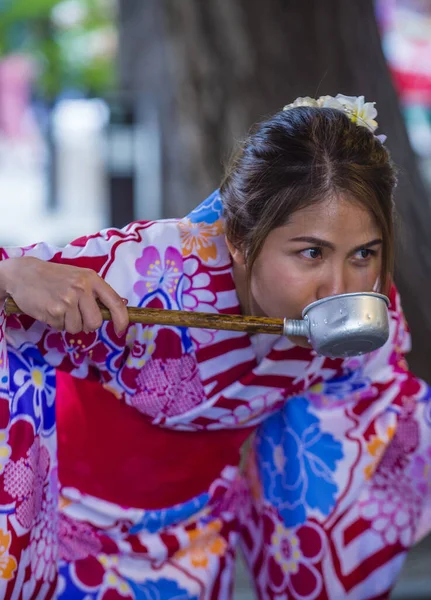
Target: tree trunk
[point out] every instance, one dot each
(215, 67)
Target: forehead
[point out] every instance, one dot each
(338, 215)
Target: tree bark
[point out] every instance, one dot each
(216, 67)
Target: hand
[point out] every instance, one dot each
(62, 296)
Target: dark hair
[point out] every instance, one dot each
(298, 158)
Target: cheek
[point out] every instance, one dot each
(280, 288)
(365, 279)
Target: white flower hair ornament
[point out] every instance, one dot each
(360, 112)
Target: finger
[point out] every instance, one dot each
(91, 316)
(54, 317)
(115, 304)
(58, 324)
(73, 320)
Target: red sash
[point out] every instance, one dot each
(110, 450)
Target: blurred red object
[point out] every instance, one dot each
(413, 88)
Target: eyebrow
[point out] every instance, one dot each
(325, 244)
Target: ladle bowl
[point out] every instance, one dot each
(344, 325)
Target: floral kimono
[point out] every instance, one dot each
(146, 499)
(340, 480)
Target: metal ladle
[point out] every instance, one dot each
(344, 325)
(336, 326)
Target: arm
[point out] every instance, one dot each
(58, 288)
(53, 286)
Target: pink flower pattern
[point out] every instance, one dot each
(391, 502)
(24, 480)
(157, 273)
(168, 387)
(420, 472)
(77, 539)
(393, 506)
(44, 538)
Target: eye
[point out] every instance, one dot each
(364, 254)
(312, 253)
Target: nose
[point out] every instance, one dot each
(332, 283)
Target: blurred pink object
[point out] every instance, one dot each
(16, 74)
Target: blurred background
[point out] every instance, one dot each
(115, 110)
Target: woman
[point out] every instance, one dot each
(340, 475)
(152, 500)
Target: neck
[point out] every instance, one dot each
(247, 303)
(241, 286)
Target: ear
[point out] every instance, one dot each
(236, 253)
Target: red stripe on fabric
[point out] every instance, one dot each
(247, 539)
(136, 545)
(258, 563)
(171, 542)
(226, 403)
(223, 282)
(229, 310)
(95, 263)
(277, 381)
(219, 348)
(203, 421)
(373, 563)
(367, 566)
(354, 530)
(280, 355)
(216, 587)
(229, 376)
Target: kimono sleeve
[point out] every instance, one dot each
(403, 423)
(133, 262)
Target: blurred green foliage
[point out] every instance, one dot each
(72, 42)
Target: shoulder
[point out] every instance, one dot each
(135, 233)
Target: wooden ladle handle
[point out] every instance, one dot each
(185, 318)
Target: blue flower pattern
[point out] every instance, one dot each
(297, 462)
(209, 211)
(32, 388)
(160, 589)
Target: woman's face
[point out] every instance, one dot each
(333, 247)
